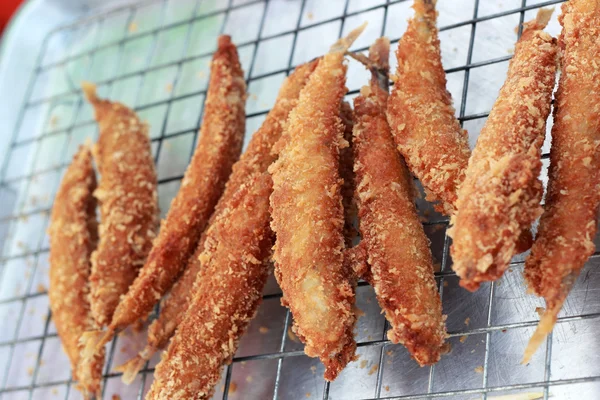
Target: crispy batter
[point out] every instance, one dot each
(421, 115)
(128, 203)
(256, 159)
(347, 175)
(308, 217)
(568, 226)
(501, 194)
(73, 236)
(219, 146)
(228, 291)
(397, 248)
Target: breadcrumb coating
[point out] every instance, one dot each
(567, 228)
(308, 217)
(421, 115)
(256, 159)
(73, 234)
(128, 203)
(398, 252)
(228, 291)
(219, 146)
(501, 194)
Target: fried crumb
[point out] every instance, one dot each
(373, 369)
(249, 378)
(446, 348)
(310, 16)
(133, 27)
(358, 312)
(387, 388)
(363, 363)
(253, 97)
(479, 369)
(42, 362)
(313, 369)
(41, 288)
(307, 394)
(30, 371)
(390, 353)
(263, 330)
(54, 391)
(445, 283)
(138, 326)
(463, 338)
(169, 87)
(201, 74)
(540, 310)
(54, 121)
(116, 397)
(233, 387)
(467, 321)
(292, 336)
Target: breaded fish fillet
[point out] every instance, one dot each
(567, 228)
(397, 248)
(73, 236)
(228, 291)
(421, 115)
(128, 203)
(308, 217)
(500, 197)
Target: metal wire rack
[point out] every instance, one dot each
(154, 55)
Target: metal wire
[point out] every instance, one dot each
(6, 183)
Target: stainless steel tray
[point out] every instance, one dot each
(154, 55)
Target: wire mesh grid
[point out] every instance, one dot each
(154, 55)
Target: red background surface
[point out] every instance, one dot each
(7, 8)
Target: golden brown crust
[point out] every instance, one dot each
(421, 115)
(308, 218)
(219, 145)
(228, 292)
(73, 236)
(567, 228)
(397, 248)
(256, 159)
(128, 203)
(501, 194)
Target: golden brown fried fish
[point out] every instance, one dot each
(73, 236)
(500, 197)
(308, 217)
(397, 248)
(568, 226)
